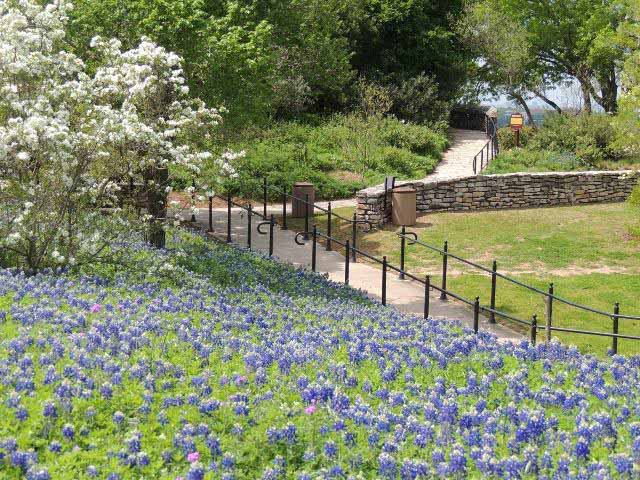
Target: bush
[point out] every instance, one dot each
(327, 151)
(418, 99)
(590, 137)
(562, 142)
(415, 138)
(507, 137)
(524, 160)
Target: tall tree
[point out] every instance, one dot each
(574, 39)
(506, 65)
(628, 121)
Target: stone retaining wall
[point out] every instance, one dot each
(516, 190)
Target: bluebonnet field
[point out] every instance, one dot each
(207, 362)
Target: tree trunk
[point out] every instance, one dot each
(523, 103)
(157, 206)
(586, 97)
(548, 101)
(609, 89)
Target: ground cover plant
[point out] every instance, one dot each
(339, 155)
(176, 369)
(565, 143)
(590, 252)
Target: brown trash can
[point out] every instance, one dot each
(298, 207)
(403, 206)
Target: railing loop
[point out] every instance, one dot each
(263, 224)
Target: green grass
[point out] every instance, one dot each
(591, 253)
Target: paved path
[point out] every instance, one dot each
(407, 296)
(457, 161)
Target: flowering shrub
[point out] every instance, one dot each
(286, 375)
(69, 137)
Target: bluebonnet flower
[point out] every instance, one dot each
(55, 447)
(68, 431)
(228, 461)
(330, 449)
(196, 472)
(387, 467)
(36, 473)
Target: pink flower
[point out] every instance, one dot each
(193, 457)
(310, 410)
(96, 308)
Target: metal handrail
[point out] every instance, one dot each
(411, 238)
(491, 147)
(311, 204)
(517, 282)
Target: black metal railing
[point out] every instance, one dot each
(351, 251)
(490, 150)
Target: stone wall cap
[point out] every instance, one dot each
(378, 190)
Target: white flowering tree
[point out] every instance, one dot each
(69, 138)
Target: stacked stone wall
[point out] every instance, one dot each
(517, 190)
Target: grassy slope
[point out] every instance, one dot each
(325, 153)
(589, 252)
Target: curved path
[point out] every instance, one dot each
(457, 161)
(406, 295)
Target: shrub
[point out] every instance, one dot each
(524, 160)
(418, 139)
(507, 137)
(328, 153)
(418, 99)
(590, 137)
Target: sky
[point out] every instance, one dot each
(566, 96)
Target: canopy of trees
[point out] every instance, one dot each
(265, 58)
(525, 47)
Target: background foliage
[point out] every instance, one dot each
(277, 58)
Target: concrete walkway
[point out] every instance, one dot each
(406, 295)
(457, 161)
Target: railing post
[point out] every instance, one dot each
(549, 313)
(314, 239)
(481, 158)
(403, 245)
(494, 281)
(346, 262)
(384, 280)
(445, 257)
(329, 215)
(272, 225)
(534, 329)
(476, 314)
(475, 161)
(306, 216)
(264, 198)
(249, 215)
(354, 238)
(210, 214)
(284, 209)
(427, 287)
(228, 217)
(614, 341)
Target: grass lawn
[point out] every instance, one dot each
(591, 253)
